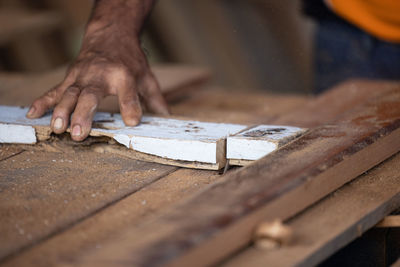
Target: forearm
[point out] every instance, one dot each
(114, 28)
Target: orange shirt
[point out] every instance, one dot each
(381, 18)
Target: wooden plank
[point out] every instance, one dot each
(177, 140)
(214, 223)
(258, 141)
(43, 193)
(7, 151)
(389, 221)
(169, 141)
(238, 106)
(335, 102)
(334, 221)
(132, 211)
(175, 82)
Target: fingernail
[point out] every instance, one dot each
(31, 111)
(58, 123)
(76, 131)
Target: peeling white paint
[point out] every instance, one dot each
(259, 141)
(123, 139)
(168, 138)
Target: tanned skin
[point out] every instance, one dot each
(110, 62)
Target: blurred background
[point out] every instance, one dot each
(252, 44)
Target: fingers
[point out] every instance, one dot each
(129, 104)
(152, 95)
(63, 110)
(81, 121)
(41, 105)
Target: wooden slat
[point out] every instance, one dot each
(334, 222)
(390, 221)
(215, 223)
(42, 192)
(238, 106)
(7, 151)
(335, 102)
(132, 211)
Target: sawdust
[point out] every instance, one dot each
(62, 188)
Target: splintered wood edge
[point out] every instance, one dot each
(43, 133)
(131, 153)
(240, 162)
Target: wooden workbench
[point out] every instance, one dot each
(61, 201)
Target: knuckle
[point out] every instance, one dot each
(50, 95)
(61, 111)
(119, 73)
(128, 102)
(73, 91)
(89, 95)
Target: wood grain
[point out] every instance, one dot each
(334, 221)
(215, 223)
(335, 102)
(42, 193)
(132, 211)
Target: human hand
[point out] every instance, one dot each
(111, 62)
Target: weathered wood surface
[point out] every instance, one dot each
(334, 222)
(129, 212)
(43, 193)
(334, 103)
(176, 81)
(238, 106)
(7, 151)
(95, 232)
(214, 223)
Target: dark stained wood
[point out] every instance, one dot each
(220, 220)
(334, 222)
(42, 193)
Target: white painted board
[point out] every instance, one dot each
(174, 139)
(168, 138)
(258, 141)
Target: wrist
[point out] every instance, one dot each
(125, 16)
